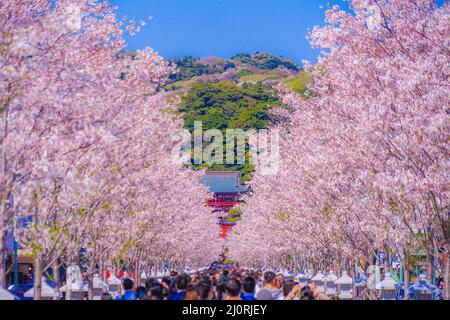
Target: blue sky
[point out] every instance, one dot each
(225, 27)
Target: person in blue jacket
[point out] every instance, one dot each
(129, 292)
(248, 289)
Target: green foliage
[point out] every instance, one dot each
(244, 58)
(190, 67)
(221, 104)
(299, 83)
(265, 61)
(242, 73)
(226, 105)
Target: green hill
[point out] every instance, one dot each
(299, 83)
(244, 67)
(235, 93)
(266, 61)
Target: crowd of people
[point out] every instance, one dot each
(223, 284)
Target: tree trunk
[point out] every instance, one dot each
(430, 270)
(4, 207)
(55, 269)
(102, 273)
(90, 279)
(104, 276)
(69, 282)
(406, 281)
(3, 259)
(37, 279)
(137, 272)
(447, 275)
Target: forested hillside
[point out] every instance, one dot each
(235, 93)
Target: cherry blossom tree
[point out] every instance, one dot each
(86, 142)
(365, 157)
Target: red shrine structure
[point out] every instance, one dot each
(228, 191)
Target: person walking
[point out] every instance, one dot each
(233, 289)
(248, 289)
(129, 292)
(270, 290)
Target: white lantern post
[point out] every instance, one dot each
(288, 275)
(345, 286)
(114, 284)
(308, 277)
(99, 287)
(77, 288)
(330, 285)
(387, 288)
(47, 292)
(319, 280)
(302, 279)
(143, 278)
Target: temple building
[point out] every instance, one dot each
(227, 193)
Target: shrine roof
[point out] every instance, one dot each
(223, 182)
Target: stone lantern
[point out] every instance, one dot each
(330, 280)
(287, 275)
(387, 288)
(345, 286)
(47, 292)
(77, 288)
(308, 277)
(423, 290)
(319, 281)
(98, 287)
(302, 279)
(114, 284)
(143, 278)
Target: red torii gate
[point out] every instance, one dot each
(227, 190)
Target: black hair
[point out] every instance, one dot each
(269, 276)
(233, 287)
(167, 281)
(306, 293)
(151, 282)
(249, 285)
(287, 287)
(140, 292)
(206, 279)
(220, 288)
(128, 284)
(156, 292)
(182, 282)
(204, 288)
